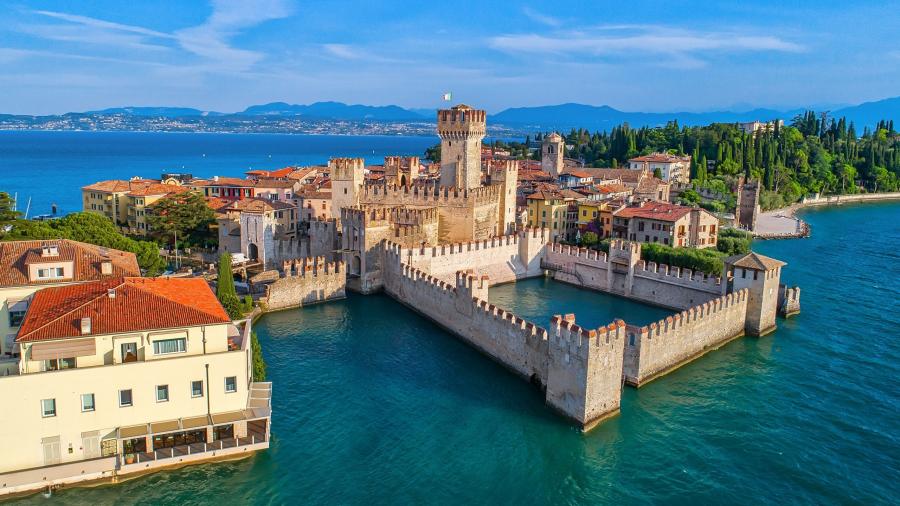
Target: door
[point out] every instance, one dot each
(129, 352)
(90, 444)
(51, 450)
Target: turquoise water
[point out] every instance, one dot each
(375, 405)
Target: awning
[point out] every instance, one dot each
(133, 431)
(170, 426)
(230, 417)
(195, 422)
(66, 348)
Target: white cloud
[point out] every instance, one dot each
(344, 51)
(540, 18)
(669, 47)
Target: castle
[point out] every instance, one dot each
(437, 246)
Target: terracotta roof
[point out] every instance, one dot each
(625, 175)
(551, 194)
(554, 137)
(577, 173)
(273, 183)
(146, 189)
(224, 181)
(111, 186)
(283, 172)
(660, 211)
(86, 258)
(216, 203)
(612, 188)
(302, 173)
(255, 205)
(661, 158)
(753, 260)
(139, 304)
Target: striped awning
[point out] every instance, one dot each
(66, 348)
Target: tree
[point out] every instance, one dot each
(7, 215)
(93, 229)
(259, 364)
(433, 153)
(185, 214)
(589, 239)
(225, 290)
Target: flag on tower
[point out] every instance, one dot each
(446, 97)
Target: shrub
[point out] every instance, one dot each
(259, 364)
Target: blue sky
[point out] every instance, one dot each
(58, 56)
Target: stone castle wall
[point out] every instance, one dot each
(655, 349)
(623, 273)
(504, 258)
(788, 300)
(306, 281)
(581, 369)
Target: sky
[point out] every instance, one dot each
(659, 56)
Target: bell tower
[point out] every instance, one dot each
(461, 129)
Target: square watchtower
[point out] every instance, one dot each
(461, 129)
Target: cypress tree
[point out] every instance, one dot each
(225, 290)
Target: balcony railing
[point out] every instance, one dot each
(191, 449)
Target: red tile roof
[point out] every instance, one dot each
(86, 258)
(111, 186)
(150, 188)
(660, 211)
(139, 304)
(661, 158)
(257, 205)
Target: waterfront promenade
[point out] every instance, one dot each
(783, 223)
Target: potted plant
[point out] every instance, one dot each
(129, 458)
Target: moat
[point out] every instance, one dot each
(377, 405)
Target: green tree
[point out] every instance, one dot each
(433, 153)
(225, 290)
(259, 364)
(93, 229)
(7, 215)
(589, 239)
(185, 214)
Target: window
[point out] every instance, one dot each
(125, 398)
(162, 393)
(197, 389)
(231, 384)
(87, 402)
(16, 317)
(345, 191)
(50, 273)
(48, 408)
(57, 364)
(129, 352)
(165, 346)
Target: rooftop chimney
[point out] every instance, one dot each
(106, 267)
(111, 293)
(85, 326)
(50, 250)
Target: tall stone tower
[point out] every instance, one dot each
(506, 174)
(553, 150)
(347, 176)
(761, 276)
(461, 129)
(747, 206)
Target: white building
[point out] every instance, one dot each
(673, 168)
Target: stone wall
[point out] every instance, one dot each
(306, 281)
(504, 258)
(623, 273)
(788, 300)
(580, 369)
(655, 349)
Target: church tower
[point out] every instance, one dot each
(552, 152)
(461, 129)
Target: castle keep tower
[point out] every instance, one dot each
(747, 206)
(761, 276)
(506, 174)
(461, 129)
(347, 176)
(552, 150)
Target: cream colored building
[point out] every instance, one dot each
(672, 168)
(126, 202)
(28, 266)
(127, 375)
(667, 224)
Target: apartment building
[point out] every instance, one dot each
(125, 202)
(668, 224)
(127, 375)
(673, 168)
(549, 208)
(28, 266)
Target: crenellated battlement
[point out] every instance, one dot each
(310, 266)
(346, 169)
(788, 300)
(461, 122)
(578, 341)
(430, 194)
(663, 327)
(679, 275)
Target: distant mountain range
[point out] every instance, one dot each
(563, 116)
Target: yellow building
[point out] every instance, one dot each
(548, 208)
(127, 375)
(125, 202)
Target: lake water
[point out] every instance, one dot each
(375, 405)
(51, 167)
